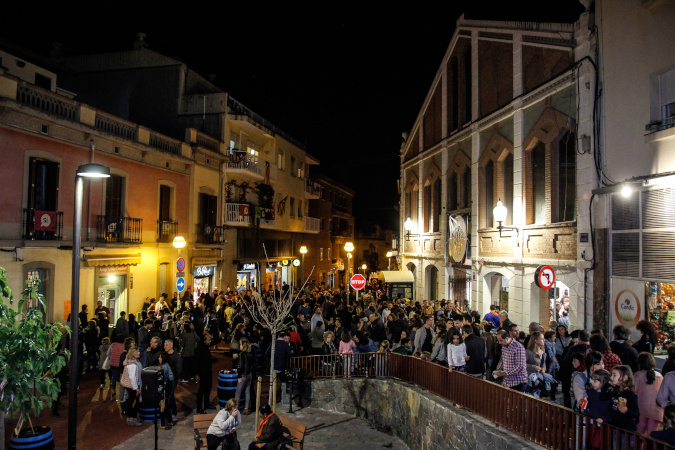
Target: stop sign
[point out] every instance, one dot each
(358, 282)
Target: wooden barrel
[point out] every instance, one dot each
(227, 386)
(41, 439)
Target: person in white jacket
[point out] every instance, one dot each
(131, 381)
(224, 427)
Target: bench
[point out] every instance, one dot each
(201, 424)
(294, 434)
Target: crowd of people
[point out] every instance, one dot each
(614, 382)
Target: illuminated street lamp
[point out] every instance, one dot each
(84, 171)
(349, 247)
(364, 267)
(179, 242)
(499, 213)
(303, 250)
(389, 255)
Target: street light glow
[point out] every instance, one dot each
(349, 247)
(179, 242)
(303, 249)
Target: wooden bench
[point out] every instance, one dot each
(201, 424)
(294, 434)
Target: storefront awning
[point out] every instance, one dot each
(397, 276)
(112, 260)
(263, 260)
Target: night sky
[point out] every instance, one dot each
(347, 82)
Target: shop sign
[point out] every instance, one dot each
(628, 303)
(458, 239)
(112, 270)
(204, 271)
(248, 267)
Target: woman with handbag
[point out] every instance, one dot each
(131, 381)
(244, 374)
(188, 343)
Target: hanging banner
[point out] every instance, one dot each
(627, 304)
(45, 221)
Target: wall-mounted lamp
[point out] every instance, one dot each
(409, 228)
(499, 214)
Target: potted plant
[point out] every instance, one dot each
(29, 357)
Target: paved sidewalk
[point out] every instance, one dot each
(325, 430)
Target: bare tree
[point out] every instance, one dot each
(273, 315)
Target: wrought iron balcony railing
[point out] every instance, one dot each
(119, 229)
(42, 225)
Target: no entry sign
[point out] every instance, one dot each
(358, 282)
(544, 277)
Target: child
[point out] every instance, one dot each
(103, 366)
(456, 353)
(624, 409)
(550, 353)
(599, 409)
(647, 384)
(577, 363)
(347, 346)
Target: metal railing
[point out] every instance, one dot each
(166, 230)
(209, 234)
(42, 225)
(313, 188)
(267, 217)
(658, 125)
(240, 160)
(542, 422)
(312, 224)
(238, 213)
(119, 229)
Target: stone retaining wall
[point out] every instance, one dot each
(422, 420)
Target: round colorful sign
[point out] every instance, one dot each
(627, 308)
(180, 264)
(544, 276)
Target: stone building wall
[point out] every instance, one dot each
(422, 420)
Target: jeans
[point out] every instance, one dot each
(115, 377)
(170, 407)
(205, 384)
(131, 405)
(244, 385)
(488, 371)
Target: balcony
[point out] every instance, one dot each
(119, 229)
(209, 234)
(312, 225)
(267, 217)
(237, 214)
(166, 230)
(242, 163)
(42, 225)
(312, 190)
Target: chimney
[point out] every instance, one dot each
(140, 41)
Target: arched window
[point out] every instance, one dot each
(489, 193)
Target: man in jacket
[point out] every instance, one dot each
(204, 373)
(476, 350)
(622, 348)
(425, 336)
(122, 325)
(376, 330)
(173, 358)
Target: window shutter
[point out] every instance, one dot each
(667, 87)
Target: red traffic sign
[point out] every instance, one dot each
(544, 277)
(180, 264)
(358, 282)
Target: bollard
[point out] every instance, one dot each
(258, 402)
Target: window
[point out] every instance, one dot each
(452, 192)
(411, 199)
(43, 184)
(114, 196)
(321, 254)
(293, 166)
(280, 160)
(431, 193)
(208, 209)
(508, 189)
(330, 253)
(466, 179)
(292, 207)
(164, 203)
(300, 208)
(489, 193)
(567, 180)
(667, 94)
(436, 205)
(301, 170)
(539, 183)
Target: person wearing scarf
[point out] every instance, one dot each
(269, 434)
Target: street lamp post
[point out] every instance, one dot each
(84, 171)
(349, 247)
(303, 250)
(364, 267)
(389, 254)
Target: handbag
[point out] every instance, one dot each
(126, 380)
(106, 363)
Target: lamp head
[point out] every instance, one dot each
(93, 171)
(389, 254)
(303, 249)
(364, 267)
(408, 225)
(179, 242)
(499, 212)
(349, 247)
